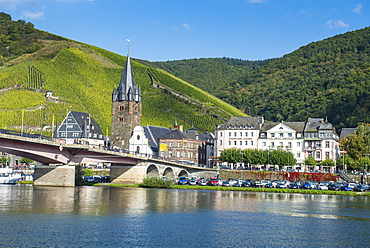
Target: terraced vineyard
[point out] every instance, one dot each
(82, 78)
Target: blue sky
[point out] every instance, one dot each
(161, 30)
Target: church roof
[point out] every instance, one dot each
(127, 89)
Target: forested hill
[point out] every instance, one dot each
(82, 78)
(213, 75)
(326, 78)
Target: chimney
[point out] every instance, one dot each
(181, 128)
(175, 126)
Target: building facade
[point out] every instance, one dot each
(80, 128)
(239, 132)
(126, 108)
(316, 137)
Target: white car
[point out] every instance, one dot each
(322, 186)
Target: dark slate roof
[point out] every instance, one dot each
(153, 133)
(206, 137)
(243, 123)
(268, 125)
(313, 124)
(127, 89)
(296, 126)
(347, 131)
(80, 122)
(176, 134)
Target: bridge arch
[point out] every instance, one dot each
(183, 173)
(152, 171)
(169, 173)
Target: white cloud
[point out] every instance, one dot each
(13, 4)
(257, 1)
(336, 24)
(186, 26)
(358, 8)
(33, 15)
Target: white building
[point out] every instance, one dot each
(316, 138)
(286, 136)
(239, 132)
(144, 140)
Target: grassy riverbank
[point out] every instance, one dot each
(273, 190)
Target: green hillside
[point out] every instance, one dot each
(213, 75)
(326, 78)
(82, 78)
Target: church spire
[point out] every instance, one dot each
(127, 89)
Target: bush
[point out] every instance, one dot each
(155, 182)
(79, 173)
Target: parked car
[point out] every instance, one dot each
(322, 186)
(306, 185)
(246, 183)
(345, 188)
(362, 187)
(192, 182)
(202, 182)
(293, 185)
(182, 181)
(213, 181)
(335, 186)
(226, 183)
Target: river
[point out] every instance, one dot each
(135, 217)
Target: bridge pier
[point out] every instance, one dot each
(63, 176)
(127, 174)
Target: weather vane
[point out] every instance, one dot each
(128, 45)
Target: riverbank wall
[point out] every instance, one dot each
(277, 175)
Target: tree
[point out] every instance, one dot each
(310, 161)
(5, 17)
(232, 155)
(354, 145)
(26, 161)
(4, 160)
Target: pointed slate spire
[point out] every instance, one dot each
(127, 89)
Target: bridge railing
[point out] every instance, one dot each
(27, 135)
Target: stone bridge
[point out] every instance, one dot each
(125, 168)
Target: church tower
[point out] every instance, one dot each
(126, 108)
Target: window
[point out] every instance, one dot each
(138, 137)
(272, 144)
(252, 134)
(318, 155)
(229, 134)
(138, 149)
(241, 143)
(298, 155)
(234, 142)
(246, 134)
(121, 108)
(229, 143)
(120, 119)
(327, 144)
(234, 134)
(220, 134)
(281, 135)
(241, 134)
(290, 135)
(246, 142)
(327, 155)
(298, 144)
(289, 144)
(252, 143)
(136, 109)
(263, 143)
(272, 135)
(220, 142)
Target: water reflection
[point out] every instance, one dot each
(147, 217)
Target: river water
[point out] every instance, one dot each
(135, 217)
